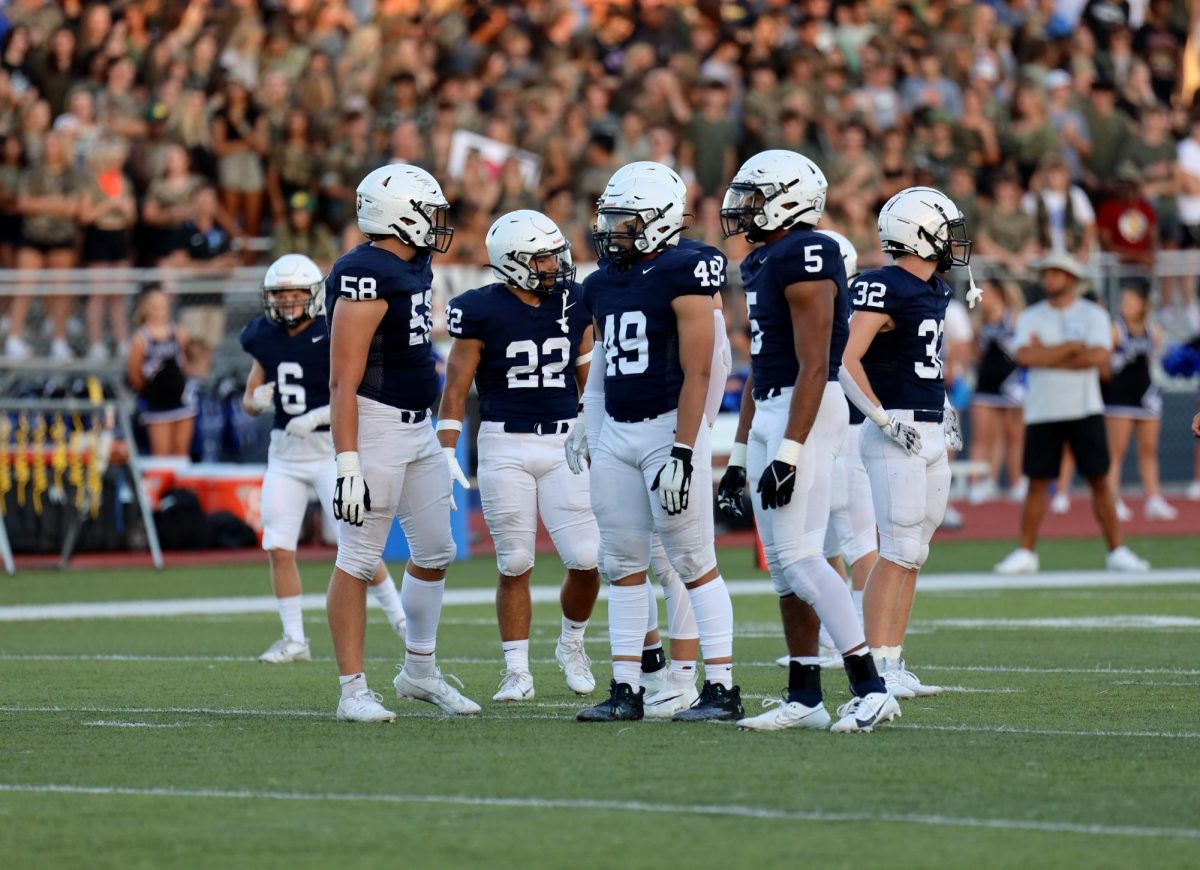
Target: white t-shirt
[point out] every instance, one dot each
(1189, 161)
(1063, 394)
(1056, 211)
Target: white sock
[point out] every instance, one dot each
(856, 595)
(291, 616)
(683, 673)
(386, 595)
(516, 654)
(722, 674)
(627, 630)
(572, 631)
(651, 608)
(420, 664)
(891, 653)
(422, 603)
(714, 618)
(352, 684)
(806, 660)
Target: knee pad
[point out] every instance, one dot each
(903, 550)
(435, 557)
(924, 555)
(514, 562)
(582, 553)
(357, 565)
(800, 578)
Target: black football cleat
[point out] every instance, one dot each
(715, 704)
(623, 705)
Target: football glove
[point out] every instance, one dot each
(263, 397)
(778, 482)
(733, 482)
(351, 498)
(306, 424)
(674, 480)
(903, 434)
(576, 447)
(456, 474)
(952, 428)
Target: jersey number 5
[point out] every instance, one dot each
(526, 375)
(756, 335)
(626, 348)
(933, 350)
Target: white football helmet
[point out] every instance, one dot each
(407, 202)
(639, 216)
(773, 190)
(925, 223)
(849, 255)
(522, 244)
(293, 272)
(647, 169)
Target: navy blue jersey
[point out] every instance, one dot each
(904, 364)
(797, 257)
(642, 375)
(401, 370)
(298, 364)
(527, 365)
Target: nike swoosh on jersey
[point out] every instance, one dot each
(647, 269)
(317, 338)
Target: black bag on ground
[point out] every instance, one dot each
(180, 522)
(226, 531)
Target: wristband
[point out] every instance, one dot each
(448, 426)
(583, 358)
(879, 417)
(789, 452)
(737, 456)
(687, 451)
(348, 464)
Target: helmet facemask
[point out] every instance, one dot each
(292, 313)
(545, 272)
(620, 235)
(743, 210)
(955, 249)
(438, 233)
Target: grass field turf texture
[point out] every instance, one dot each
(156, 742)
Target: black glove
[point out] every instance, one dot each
(777, 484)
(729, 492)
(674, 480)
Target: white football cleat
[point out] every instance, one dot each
(894, 682)
(659, 681)
(863, 714)
(364, 706)
(784, 661)
(286, 650)
(1125, 560)
(831, 659)
(515, 686)
(435, 690)
(787, 714)
(911, 682)
(573, 661)
(1019, 561)
(1124, 514)
(669, 700)
(1158, 508)
(1061, 503)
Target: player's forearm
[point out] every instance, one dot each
(451, 412)
(806, 399)
(691, 406)
(745, 412)
(343, 404)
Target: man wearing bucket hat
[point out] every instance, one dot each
(1065, 342)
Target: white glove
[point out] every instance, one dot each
(351, 498)
(456, 474)
(952, 428)
(306, 424)
(674, 480)
(903, 434)
(263, 398)
(576, 447)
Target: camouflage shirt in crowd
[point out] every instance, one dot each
(46, 229)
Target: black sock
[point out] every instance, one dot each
(864, 678)
(804, 684)
(653, 660)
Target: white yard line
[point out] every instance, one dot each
(548, 594)
(1124, 621)
(640, 807)
(102, 723)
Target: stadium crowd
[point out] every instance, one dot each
(153, 132)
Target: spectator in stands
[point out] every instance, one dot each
(107, 211)
(55, 72)
(997, 425)
(1005, 233)
(12, 164)
(1075, 140)
(1128, 228)
(158, 372)
(168, 208)
(48, 200)
(294, 163)
(1031, 139)
(210, 234)
(192, 127)
(1188, 164)
(1110, 133)
(298, 233)
(240, 142)
(1065, 218)
(1132, 404)
(709, 149)
(1065, 342)
(346, 163)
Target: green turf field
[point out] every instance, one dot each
(159, 742)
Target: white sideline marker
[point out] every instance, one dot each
(718, 810)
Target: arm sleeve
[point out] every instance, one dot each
(722, 363)
(593, 399)
(859, 399)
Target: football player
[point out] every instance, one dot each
(667, 691)
(382, 382)
(651, 302)
(527, 342)
(795, 283)
(892, 370)
(290, 378)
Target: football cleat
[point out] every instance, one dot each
(830, 659)
(1019, 561)
(894, 682)
(435, 690)
(286, 650)
(623, 705)
(573, 661)
(784, 661)
(715, 704)
(785, 714)
(910, 681)
(668, 701)
(863, 714)
(658, 681)
(515, 686)
(364, 706)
